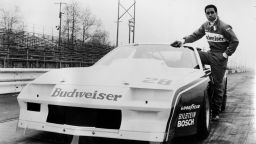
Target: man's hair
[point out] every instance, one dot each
(211, 6)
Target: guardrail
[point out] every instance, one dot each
(12, 80)
(233, 71)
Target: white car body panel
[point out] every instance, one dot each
(142, 90)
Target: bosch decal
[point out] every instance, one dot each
(186, 119)
(58, 92)
(184, 123)
(191, 107)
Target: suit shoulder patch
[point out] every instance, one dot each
(228, 28)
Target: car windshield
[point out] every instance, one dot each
(172, 57)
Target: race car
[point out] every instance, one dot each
(143, 92)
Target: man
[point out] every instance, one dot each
(223, 43)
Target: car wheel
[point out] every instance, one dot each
(224, 100)
(203, 125)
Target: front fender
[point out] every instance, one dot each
(186, 106)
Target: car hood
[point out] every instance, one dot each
(140, 85)
(152, 74)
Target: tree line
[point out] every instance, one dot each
(79, 25)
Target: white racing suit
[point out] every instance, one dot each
(221, 39)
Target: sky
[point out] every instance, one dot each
(157, 21)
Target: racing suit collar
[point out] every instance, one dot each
(212, 23)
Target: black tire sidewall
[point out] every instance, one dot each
(203, 129)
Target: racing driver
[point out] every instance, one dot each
(223, 43)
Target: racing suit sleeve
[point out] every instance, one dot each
(199, 33)
(232, 39)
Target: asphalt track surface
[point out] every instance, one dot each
(237, 124)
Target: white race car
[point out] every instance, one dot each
(136, 92)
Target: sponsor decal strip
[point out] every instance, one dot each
(186, 119)
(58, 92)
(213, 37)
(198, 82)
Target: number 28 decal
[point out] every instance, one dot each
(157, 81)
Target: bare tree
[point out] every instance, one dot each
(10, 20)
(67, 21)
(100, 37)
(82, 24)
(88, 21)
(72, 12)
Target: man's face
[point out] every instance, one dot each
(211, 14)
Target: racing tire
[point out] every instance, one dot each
(224, 99)
(204, 119)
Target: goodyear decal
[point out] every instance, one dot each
(186, 119)
(58, 92)
(190, 107)
(213, 37)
